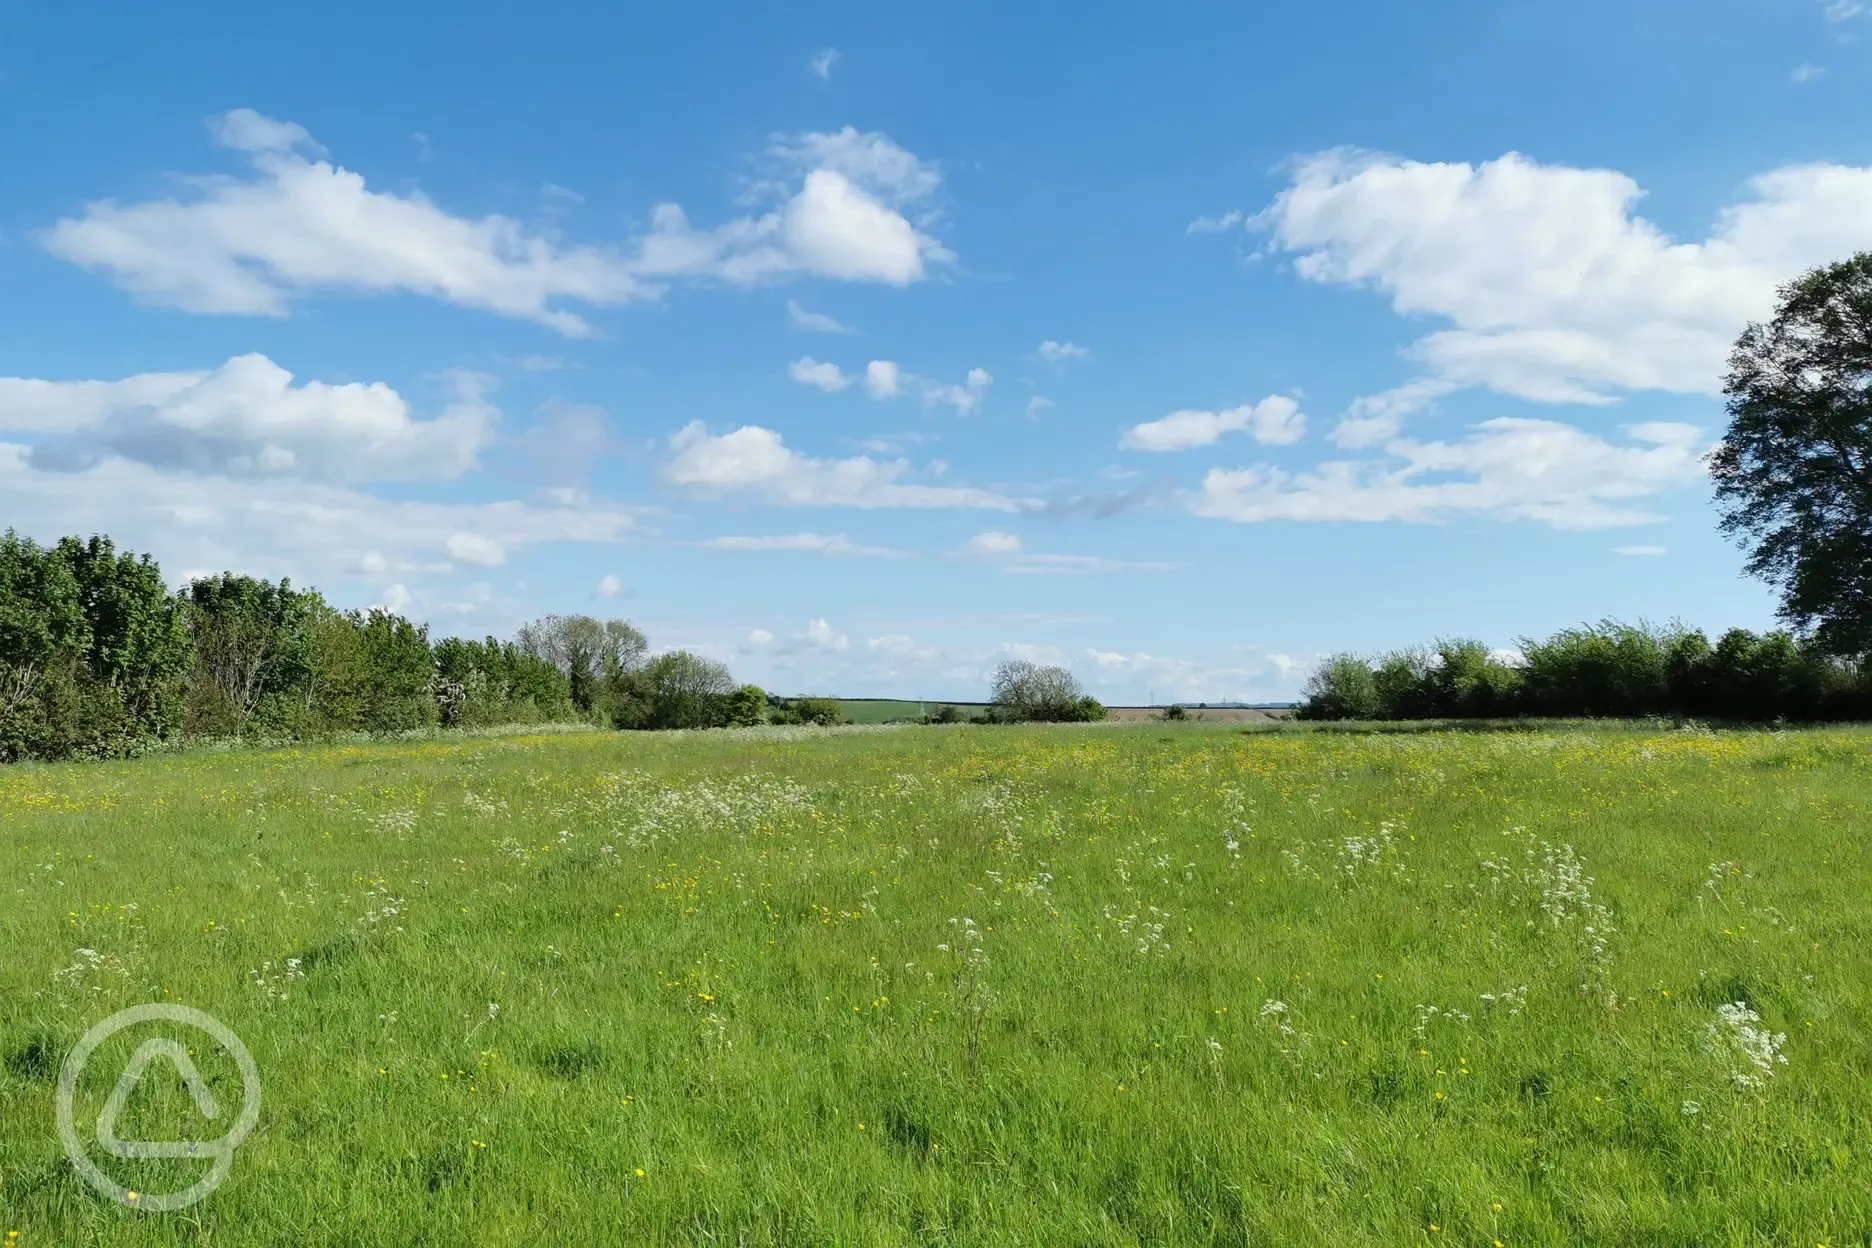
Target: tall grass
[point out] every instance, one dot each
(1012, 986)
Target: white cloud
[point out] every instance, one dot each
(1554, 290)
(1180, 680)
(964, 398)
(818, 322)
(755, 460)
(610, 586)
(823, 61)
(244, 130)
(247, 418)
(1641, 551)
(807, 543)
(820, 635)
(900, 646)
(1057, 352)
(1806, 73)
(1371, 419)
(475, 548)
(843, 222)
(1214, 225)
(1037, 404)
(1274, 421)
(810, 372)
(992, 543)
(315, 532)
(249, 245)
(1843, 10)
(883, 379)
(1015, 558)
(759, 637)
(1508, 468)
(870, 162)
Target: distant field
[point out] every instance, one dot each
(884, 710)
(1102, 985)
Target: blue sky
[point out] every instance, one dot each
(863, 347)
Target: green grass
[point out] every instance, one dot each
(738, 963)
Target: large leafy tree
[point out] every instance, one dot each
(252, 640)
(1794, 471)
(598, 657)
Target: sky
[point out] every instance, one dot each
(863, 347)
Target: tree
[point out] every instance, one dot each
(251, 641)
(596, 656)
(747, 707)
(1025, 692)
(1793, 472)
(138, 647)
(679, 690)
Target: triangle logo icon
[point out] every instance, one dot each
(198, 1089)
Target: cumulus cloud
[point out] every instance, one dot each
(247, 418)
(806, 543)
(992, 543)
(1037, 404)
(1274, 421)
(823, 61)
(845, 221)
(810, 372)
(817, 322)
(883, 379)
(1507, 468)
(754, 460)
(609, 586)
(1552, 287)
(1057, 352)
(297, 224)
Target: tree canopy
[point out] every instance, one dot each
(1794, 471)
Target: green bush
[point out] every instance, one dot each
(1607, 670)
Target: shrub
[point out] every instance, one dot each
(1341, 688)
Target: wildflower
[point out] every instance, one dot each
(1735, 1034)
(638, 1172)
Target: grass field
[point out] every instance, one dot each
(1072, 986)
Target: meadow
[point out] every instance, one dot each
(1119, 984)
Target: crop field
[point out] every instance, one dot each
(1132, 984)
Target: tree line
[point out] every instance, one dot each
(1608, 669)
(98, 658)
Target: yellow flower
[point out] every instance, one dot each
(638, 1172)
